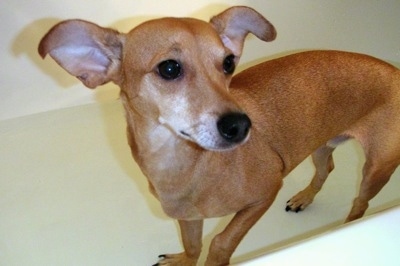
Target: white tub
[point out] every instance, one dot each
(373, 240)
(72, 195)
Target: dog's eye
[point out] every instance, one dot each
(169, 69)
(229, 64)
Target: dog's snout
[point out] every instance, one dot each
(234, 127)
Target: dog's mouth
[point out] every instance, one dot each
(230, 131)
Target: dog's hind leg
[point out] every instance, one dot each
(323, 161)
(381, 144)
(376, 173)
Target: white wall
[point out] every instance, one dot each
(30, 85)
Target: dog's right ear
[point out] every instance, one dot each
(85, 50)
(235, 23)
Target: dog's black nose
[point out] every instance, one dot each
(234, 127)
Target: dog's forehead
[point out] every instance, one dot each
(162, 35)
(170, 25)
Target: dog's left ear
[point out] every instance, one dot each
(87, 51)
(235, 23)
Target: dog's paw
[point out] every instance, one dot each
(301, 200)
(175, 260)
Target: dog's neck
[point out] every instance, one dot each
(175, 170)
(156, 148)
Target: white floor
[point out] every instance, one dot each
(70, 194)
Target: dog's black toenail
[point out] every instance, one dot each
(287, 208)
(162, 256)
(184, 133)
(298, 209)
(157, 264)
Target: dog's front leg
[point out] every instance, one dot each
(224, 244)
(191, 233)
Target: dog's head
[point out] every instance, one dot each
(172, 70)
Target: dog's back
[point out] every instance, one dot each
(306, 99)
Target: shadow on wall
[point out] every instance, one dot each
(27, 42)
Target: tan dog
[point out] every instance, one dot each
(189, 121)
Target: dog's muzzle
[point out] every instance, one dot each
(234, 127)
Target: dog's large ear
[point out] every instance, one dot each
(87, 51)
(235, 23)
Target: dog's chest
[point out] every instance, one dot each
(192, 183)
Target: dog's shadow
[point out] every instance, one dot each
(27, 42)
